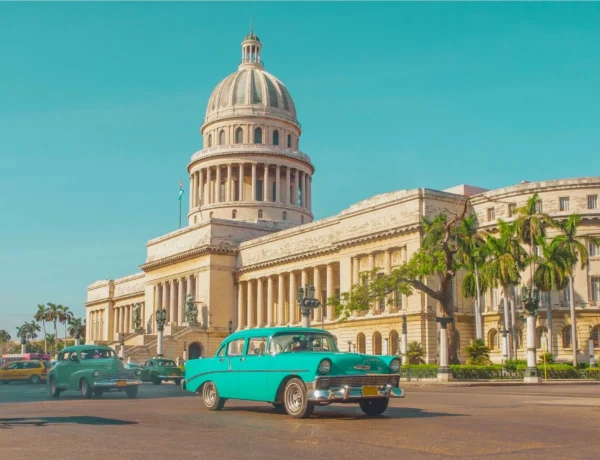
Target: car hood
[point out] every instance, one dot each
(341, 363)
(103, 364)
(168, 370)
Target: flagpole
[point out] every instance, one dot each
(179, 213)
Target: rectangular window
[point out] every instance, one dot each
(274, 192)
(592, 201)
(382, 300)
(257, 346)
(537, 251)
(491, 214)
(512, 207)
(300, 197)
(538, 206)
(593, 249)
(222, 192)
(544, 299)
(595, 288)
(236, 187)
(235, 347)
(259, 190)
(398, 299)
(564, 203)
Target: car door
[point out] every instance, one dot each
(252, 368)
(9, 372)
(227, 369)
(146, 371)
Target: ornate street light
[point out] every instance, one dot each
(122, 342)
(591, 347)
(402, 351)
(307, 302)
(444, 372)
(23, 343)
(504, 331)
(161, 319)
(349, 342)
(230, 327)
(387, 346)
(531, 303)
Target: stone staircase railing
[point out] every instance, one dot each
(153, 343)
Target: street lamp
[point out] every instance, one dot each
(23, 344)
(387, 346)
(230, 327)
(349, 346)
(504, 331)
(531, 303)
(307, 302)
(591, 347)
(161, 319)
(122, 342)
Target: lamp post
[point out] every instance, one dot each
(161, 319)
(591, 347)
(349, 342)
(307, 302)
(230, 327)
(77, 331)
(23, 344)
(531, 302)
(504, 331)
(404, 339)
(444, 373)
(387, 346)
(122, 343)
(184, 352)
(354, 346)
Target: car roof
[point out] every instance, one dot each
(269, 331)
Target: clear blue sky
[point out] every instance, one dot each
(100, 107)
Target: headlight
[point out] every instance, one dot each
(395, 365)
(325, 366)
(138, 372)
(96, 373)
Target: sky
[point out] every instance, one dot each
(101, 105)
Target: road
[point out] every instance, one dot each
(553, 422)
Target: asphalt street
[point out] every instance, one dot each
(550, 422)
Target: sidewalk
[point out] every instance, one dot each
(490, 383)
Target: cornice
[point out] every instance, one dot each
(187, 255)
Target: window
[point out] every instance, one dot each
(567, 292)
(512, 207)
(538, 206)
(222, 351)
(275, 137)
(234, 214)
(566, 337)
(235, 347)
(274, 191)
(493, 339)
(210, 215)
(393, 343)
(222, 137)
(491, 214)
(593, 249)
(545, 299)
(260, 213)
(257, 346)
(537, 251)
(381, 302)
(596, 336)
(361, 343)
(210, 140)
(236, 190)
(222, 192)
(258, 136)
(259, 190)
(289, 141)
(563, 203)
(398, 299)
(495, 299)
(592, 201)
(284, 215)
(377, 344)
(595, 288)
(239, 136)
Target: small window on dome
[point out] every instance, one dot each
(289, 141)
(275, 137)
(239, 136)
(260, 213)
(234, 214)
(210, 215)
(258, 136)
(284, 215)
(210, 140)
(222, 137)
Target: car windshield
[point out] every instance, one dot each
(99, 353)
(167, 363)
(302, 342)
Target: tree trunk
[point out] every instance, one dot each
(45, 341)
(573, 319)
(549, 325)
(478, 322)
(506, 325)
(515, 337)
(55, 337)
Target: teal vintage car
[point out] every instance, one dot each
(295, 369)
(92, 370)
(158, 370)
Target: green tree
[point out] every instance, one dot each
(76, 327)
(4, 336)
(52, 342)
(414, 353)
(478, 354)
(576, 251)
(53, 315)
(32, 329)
(64, 317)
(40, 317)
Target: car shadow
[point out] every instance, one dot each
(8, 423)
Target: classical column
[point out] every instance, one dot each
(318, 293)
(288, 186)
(155, 307)
(294, 193)
(218, 185)
(371, 266)
(330, 293)
(127, 319)
(300, 186)
(278, 185)
(192, 188)
(292, 299)
(253, 198)
(241, 181)
(304, 278)
(165, 298)
(355, 270)
(266, 183)
(198, 191)
(250, 306)
(209, 197)
(270, 301)
(240, 316)
(173, 303)
(387, 269)
(117, 314)
(122, 325)
(181, 304)
(260, 317)
(228, 192)
(280, 300)
(309, 192)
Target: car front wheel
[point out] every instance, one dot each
(54, 390)
(374, 407)
(295, 401)
(211, 397)
(35, 379)
(131, 392)
(86, 390)
(177, 382)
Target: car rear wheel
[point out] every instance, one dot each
(295, 401)
(131, 392)
(35, 379)
(54, 390)
(177, 382)
(156, 381)
(86, 390)
(211, 397)
(374, 407)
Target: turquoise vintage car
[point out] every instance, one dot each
(158, 370)
(294, 369)
(92, 370)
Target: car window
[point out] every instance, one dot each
(167, 363)
(97, 353)
(235, 347)
(302, 342)
(257, 346)
(222, 351)
(64, 356)
(148, 363)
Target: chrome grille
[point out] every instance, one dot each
(362, 380)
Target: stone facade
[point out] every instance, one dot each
(251, 243)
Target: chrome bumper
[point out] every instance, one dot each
(113, 383)
(348, 393)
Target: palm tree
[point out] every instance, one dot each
(64, 317)
(23, 333)
(32, 329)
(75, 328)
(53, 311)
(551, 274)
(52, 341)
(472, 256)
(40, 316)
(4, 336)
(478, 353)
(414, 353)
(505, 261)
(576, 251)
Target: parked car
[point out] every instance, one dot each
(92, 370)
(32, 371)
(133, 366)
(295, 369)
(158, 370)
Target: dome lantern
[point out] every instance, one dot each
(251, 48)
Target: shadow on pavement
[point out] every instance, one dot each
(43, 421)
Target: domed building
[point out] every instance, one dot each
(251, 242)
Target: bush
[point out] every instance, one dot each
(419, 371)
(511, 364)
(414, 353)
(548, 357)
(491, 372)
(478, 354)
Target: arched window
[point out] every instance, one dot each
(541, 337)
(210, 215)
(260, 213)
(234, 214)
(210, 140)
(239, 136)
(519, 335)
(566, 337)
(394, 340)
(377, 343)
(596, 336)
(258, 136)
(361, 343)
(222, 137)
(284, 215)
(275, 137)
(493, 339)
(289, 141)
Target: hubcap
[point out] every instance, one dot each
(294, 399)
(210, 394)
(84, 387)
(53, 386)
